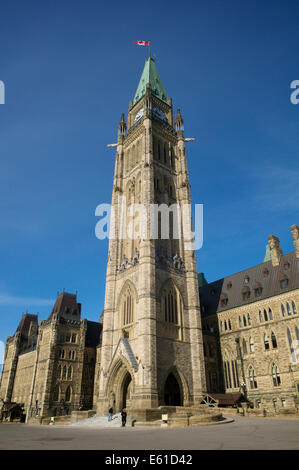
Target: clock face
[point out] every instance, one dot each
(159, 114)
(139, 115)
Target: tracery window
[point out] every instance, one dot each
(283, 310)
(275, 375)
(68, 394)
(266, 341)
(171, 305)
(128, 306)
(273, 340)
(252, 378)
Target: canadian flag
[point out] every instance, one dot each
(142, 43)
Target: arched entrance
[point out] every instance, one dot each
(126, 390)
(172, 392)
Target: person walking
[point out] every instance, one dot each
(123, 417)
(110, 414)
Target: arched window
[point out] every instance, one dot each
(171, 305)
(249, 319)
(266, 341)
(70, 354)
(283, 310)
(289, 309)
(252, 378)
(273, 340)
(128, 306)
(59, 372)
(240, 322)
(68, 394)
(244, 346)
(73, 355)
(225, 325)
(265, 315)
(229, 325)
(294, 308)
(244, 321)
(69, 372)
(251, 344)
(221, 326)
(270, 314)
(275, 375)
(56, 393)
(260, 316)
(64, 372)
(291, 345)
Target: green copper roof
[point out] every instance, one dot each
(267, 254)
(150, 75)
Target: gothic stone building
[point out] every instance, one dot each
(166, 337)
(254, 314)
(49, 368)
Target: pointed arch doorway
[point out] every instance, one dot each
(172, 392)
(126, 391)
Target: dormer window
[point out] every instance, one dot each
(265, 272)
(229, 285)
(246, 280)
(245, 293)
(223, 300)
(257, 289)
(283, 281)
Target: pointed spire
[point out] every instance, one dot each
(122, 127)
(150, 75)
(179, 123)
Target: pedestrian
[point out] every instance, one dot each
(110, 414)
(123, 417)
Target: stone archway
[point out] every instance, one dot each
(120, 387)
(172, 391)
(126, 390)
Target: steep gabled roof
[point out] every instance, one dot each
(150, 75)
(264, 275)
(66, 305)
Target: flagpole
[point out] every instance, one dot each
(149, 48)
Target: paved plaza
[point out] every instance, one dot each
(242, 434)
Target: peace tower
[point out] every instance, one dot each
(152, 346)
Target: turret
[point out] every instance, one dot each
(275, 250)
(122, 127)
(295, 235)
(179, 125)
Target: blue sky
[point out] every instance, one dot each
(70, 70)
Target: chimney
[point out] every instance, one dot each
(295, 235)
(275, 250)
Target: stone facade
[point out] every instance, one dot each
(166, 336)
(49, 368)
(152, 346)
(255, 318)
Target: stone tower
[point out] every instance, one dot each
(152, 347)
